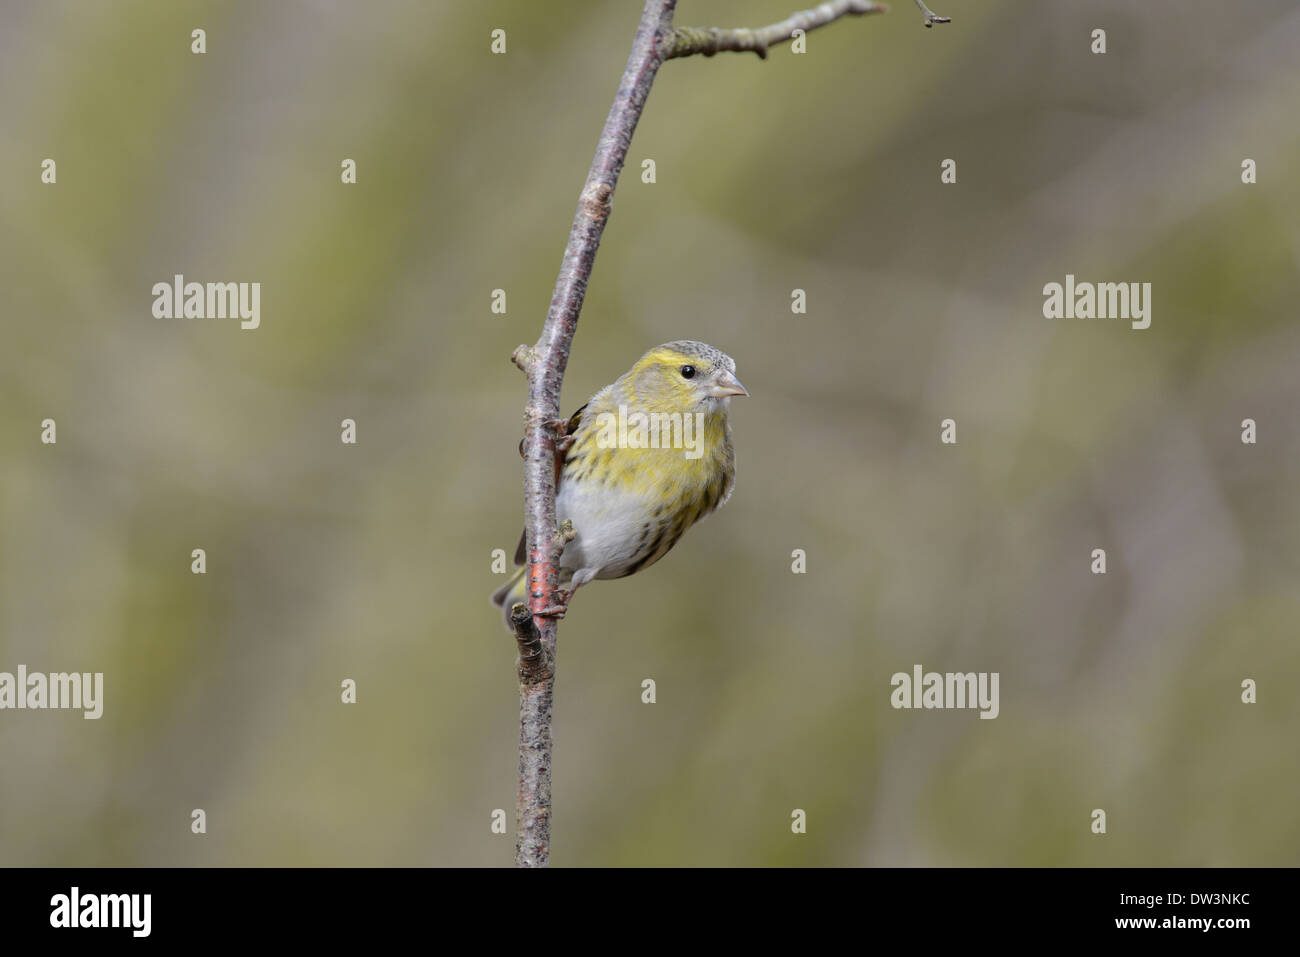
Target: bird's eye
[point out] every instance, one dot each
(688, 372)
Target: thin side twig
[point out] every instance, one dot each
(688, 41)
(931, 18)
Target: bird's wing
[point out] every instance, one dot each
(521, 553)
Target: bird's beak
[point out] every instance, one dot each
(727, 384)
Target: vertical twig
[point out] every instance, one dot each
(545, 362)
(536, 666)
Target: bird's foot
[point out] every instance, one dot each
(560, 429)
(559, 607)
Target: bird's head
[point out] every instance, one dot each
(685, 376)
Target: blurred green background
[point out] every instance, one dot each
(373, 561)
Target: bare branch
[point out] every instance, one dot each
(534, 624)
(525, 357)
(536, 663)
(536, 666)
(545, 364)
(931, 18)
(688, 41)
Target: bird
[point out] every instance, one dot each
(643, 460)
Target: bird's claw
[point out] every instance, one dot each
(559, 429)
(558, 608)
(564, 534)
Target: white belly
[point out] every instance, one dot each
(609, 525)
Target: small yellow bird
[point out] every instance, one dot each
(650, 456)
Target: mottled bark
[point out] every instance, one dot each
(545, 362)
(536, 663)
(931, 18)
(536, 666)
(688, 41)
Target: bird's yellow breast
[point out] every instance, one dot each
(683, 461)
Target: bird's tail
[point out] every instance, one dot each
(515, 589)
